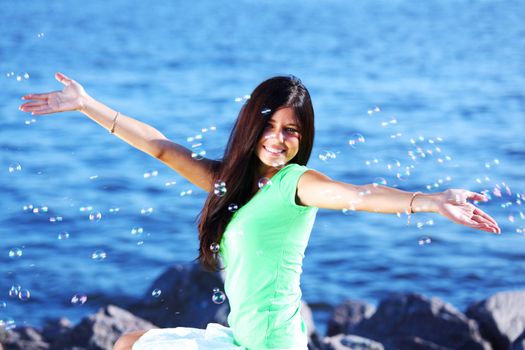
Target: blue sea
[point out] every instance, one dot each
(420, 95)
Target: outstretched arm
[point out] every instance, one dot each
(318, 190)
(140, 135)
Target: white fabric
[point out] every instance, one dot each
(215, 336)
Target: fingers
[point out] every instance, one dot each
(29, 106)
(480, 223)
(480, 212)
(62, 78)
(476, 196)
(41, 97)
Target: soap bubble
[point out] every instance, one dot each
(156, 293)
(15, 167)
(24, 294)
(146, 211)
(233, 207)
(3, 304)
(198, 153)
(355, 140)
(13, 292)
(137, 231)
(264, 182)
(15, 253)
(215, 247)
(266, 111)
(327, 155)
(150, 173)
(218, 297)
(98, 255)
(220, 188)
(95, 216)
(424, 240)
(63, 236)
(79, 299)
(379, 181)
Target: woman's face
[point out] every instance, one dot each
(279, 142)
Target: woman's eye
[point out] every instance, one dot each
(292, 130)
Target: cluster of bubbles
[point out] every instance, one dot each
(17, 291)
(327, 155)
(219, 188)
(18, 77)
(197, 150)
(242, 99)
(146, 211)
(79, 299)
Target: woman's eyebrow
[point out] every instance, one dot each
(290, 124)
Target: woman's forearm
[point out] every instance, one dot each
(140, 135)
(383, 199)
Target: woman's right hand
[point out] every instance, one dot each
(71, 98)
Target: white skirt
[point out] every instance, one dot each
(215, 336)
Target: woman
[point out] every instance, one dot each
(262, 244)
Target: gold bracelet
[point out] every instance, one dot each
(409, 213)
(112, 130)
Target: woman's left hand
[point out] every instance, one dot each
(453, 204)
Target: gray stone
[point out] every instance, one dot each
(55, 328)
(24, 338)
(347, 315)
(501, 317)
(101, 330)
(351, 342)
(432, 321)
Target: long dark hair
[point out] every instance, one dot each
(239, 166)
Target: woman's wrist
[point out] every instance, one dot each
(425, 202)
(85, 102)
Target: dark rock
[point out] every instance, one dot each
(501, 317)
(519, 343)
(185, 299)
(416, 343)
(55, 328)
(347, 315)
(413, 316)
(351, 342)
(24, 338)
(101, 330)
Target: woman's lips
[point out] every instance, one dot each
(273, 151)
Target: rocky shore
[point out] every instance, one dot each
(406, 321)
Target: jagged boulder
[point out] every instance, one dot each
(432, 322)
(24, 338)
(519, 343)
(347, 315)
(101, 330)
(501, 317)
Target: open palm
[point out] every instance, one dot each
(69, 99)
(453, 204)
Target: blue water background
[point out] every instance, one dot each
(445, 74)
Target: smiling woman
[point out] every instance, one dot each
(261, 244)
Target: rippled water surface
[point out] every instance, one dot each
(435, 88)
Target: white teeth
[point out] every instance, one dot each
(274, 150)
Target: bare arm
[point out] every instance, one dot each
(140, 135)
(318, 190)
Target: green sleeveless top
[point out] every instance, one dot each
(262, 250)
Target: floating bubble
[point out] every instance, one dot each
(170, 183)
(7, 324)
(83, 209)
(327, 155)
(15, 253)
(266, 111)
(150, 173)
(114, 210)
(79, 299)
(233, 207)
(13, 292)
(403, 175)
(238, 99)
(40, 35)
(264, 182)
(218, 297)
(215, 247)
(393, 164)
(99, 255)
(186, 193)
(424, 240)
(63, 236)
(15, 167)
(3, 304)
(198, 154)
(379, 181)
(55, 219)
(137, 231)
(18, 78)
(95, 216)
(24, 294)
(220, 188)
(355, 140)
(146, 211)
(156, 293)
